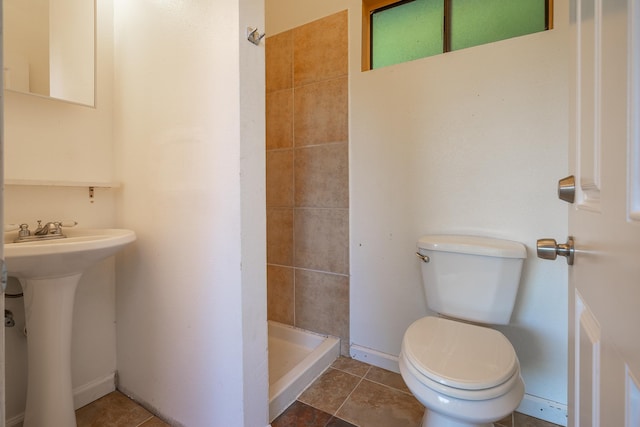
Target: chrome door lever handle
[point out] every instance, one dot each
(550, 249)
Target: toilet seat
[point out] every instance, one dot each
(460, 360)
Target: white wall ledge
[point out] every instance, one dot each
(54, 183)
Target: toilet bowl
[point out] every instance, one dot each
(465, 373)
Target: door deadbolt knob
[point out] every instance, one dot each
(567, 189)
(550, 249)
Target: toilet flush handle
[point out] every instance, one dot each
(424, 258)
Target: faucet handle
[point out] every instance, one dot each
(11, 227)
(24, 231)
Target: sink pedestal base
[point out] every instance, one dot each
(49, 312)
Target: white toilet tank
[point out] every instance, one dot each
(471, 277)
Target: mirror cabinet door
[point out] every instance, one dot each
(49, 48)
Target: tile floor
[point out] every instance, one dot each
(350, 393)
(116, 410)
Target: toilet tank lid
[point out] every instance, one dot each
(473, 245)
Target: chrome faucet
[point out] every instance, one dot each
(48, 228)
(51, 230)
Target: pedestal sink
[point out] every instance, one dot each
(49, 272)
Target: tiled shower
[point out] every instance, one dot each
(308, 177)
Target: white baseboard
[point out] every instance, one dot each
(15, 421)
(544, 409)
(533, 406)
(93, 390)
(82, 395)
(375, 358)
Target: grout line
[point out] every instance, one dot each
(364, 376)
(349, 395)
(321, 80)
(389, 386)
(351, 373)
(308, 269)
(318, 144)
(148, 419)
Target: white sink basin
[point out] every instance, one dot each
(49, 272)
(60, 257)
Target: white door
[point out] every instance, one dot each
(604, 282)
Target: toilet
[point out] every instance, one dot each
(465, 373)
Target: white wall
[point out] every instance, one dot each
(189, 132)
(472, 141)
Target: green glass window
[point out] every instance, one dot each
(404, 30)
(476, 22)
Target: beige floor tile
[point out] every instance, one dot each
(300, 414)
(376, 405)
(341, 391)
(388, 378)
(352, 366)
(506, 422)
(330, 390)
(112, 410)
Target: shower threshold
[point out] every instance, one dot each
(296, 358)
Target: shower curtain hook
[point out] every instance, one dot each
(254, 36)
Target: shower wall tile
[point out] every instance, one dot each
(321, 49)
(279, 61)
(321, 112)
(307, 177)
(279, 119)
(322, 240)
(322, 303)
(322, 176)
(279, 178)
(280, 294)
(280, 236)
